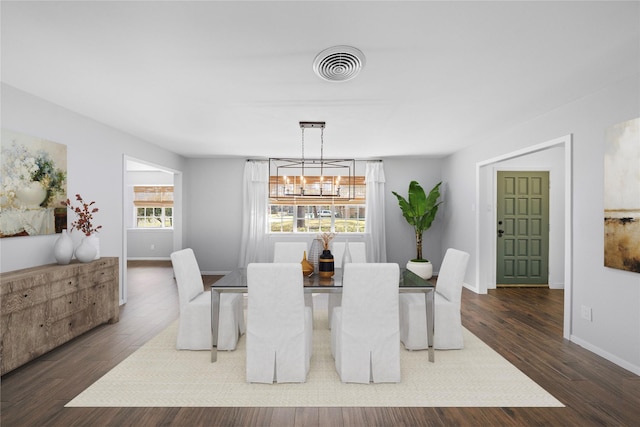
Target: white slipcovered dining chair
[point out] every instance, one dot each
(292, 252)
(289, 251)
(365, 338)
(279, 325)
(357, 254)
(194, 330)
(448, 294)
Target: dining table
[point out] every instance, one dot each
(236, 281)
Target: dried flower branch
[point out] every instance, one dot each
(85, 216)
(326, 239)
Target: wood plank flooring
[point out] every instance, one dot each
(522, 324)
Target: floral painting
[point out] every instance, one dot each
(622, 196)
(33, 185)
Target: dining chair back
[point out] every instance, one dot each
(289, 251)
(448, 333)
(357, 254)
(292, 252)
(279, 325)
(194, 330)
(365, 338)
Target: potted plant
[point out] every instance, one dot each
(420, 211)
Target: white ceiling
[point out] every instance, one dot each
(211, 78)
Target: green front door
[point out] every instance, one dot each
(523, 228)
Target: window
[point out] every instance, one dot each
(153, 206)
(319, 215)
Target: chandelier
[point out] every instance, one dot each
(321, 178)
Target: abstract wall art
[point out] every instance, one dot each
(622, 196)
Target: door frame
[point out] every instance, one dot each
(485, 233)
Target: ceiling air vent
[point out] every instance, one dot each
(339, 63)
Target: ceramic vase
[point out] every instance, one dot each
(325, 264)
(421, 269)
(63, 248)
(314, 253)
(307, 268)
(94, 240)
(86, 252)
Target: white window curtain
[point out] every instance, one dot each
(374, 225)
(255, 202)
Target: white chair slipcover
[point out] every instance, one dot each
(279, 325)
(447, 298)
(292, 252)
(358, 254)
(365, 338)
(194, 331)
(289, 251)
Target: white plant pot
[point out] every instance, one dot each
(421, 269)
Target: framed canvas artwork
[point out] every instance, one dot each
(622, 196)
(33, 184)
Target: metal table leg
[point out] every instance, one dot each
(429, 304)
(215, 321)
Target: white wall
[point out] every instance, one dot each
(613, 295)
(149, 244)
(95, 170)
(213, 207)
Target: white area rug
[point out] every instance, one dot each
(158, 375)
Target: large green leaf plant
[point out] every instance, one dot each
(419, 211)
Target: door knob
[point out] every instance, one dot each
(500, 233)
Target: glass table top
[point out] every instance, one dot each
(238, 279)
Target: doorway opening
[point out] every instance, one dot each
(560, 224)
(134, 170)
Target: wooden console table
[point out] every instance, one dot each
(44, 307)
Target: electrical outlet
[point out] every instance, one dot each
(153, 247)
(586, 313)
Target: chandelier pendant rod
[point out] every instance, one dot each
(302, 176)
(321, 159)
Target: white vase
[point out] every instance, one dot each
(94, 240)
(86, 251)
(31, 195)
(421, 269)
(63, 249)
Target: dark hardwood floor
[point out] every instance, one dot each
(524, 325)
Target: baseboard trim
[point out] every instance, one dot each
(602, 353)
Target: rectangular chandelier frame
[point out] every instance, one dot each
(292, 178)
